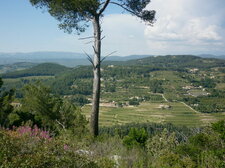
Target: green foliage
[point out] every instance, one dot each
(48, 111)
(219, 127)
(207, 83)
(33, 147)
(136, 137)
(205, 149)
(13, 119)
(1, 82)
(6, 108)
(134, 102)
(173, 160)
(39, 102)
(71, 118)
(151, 128)
(76, 81)
(211, 104)
(200, 140)
(161, 143)
(178, 62)
(79, 100)
(109, 87)
(106, 163)
(156, 86)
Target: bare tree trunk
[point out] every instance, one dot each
(97, 76)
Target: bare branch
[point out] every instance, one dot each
(91, 61)
(144, 15)
(89, 58)
(184, 137)
(63, 126)
(108, 56)
(102, 38)
(104, 7)
(84, 38)
(94, 49)
(111, 53)
(122, 6)
(89, 42)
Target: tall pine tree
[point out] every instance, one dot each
(76, 15)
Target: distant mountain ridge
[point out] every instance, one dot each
(64, 58)
(127, 58)
(43, 55)
(69, 59)
(212, 56)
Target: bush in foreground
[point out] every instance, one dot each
(30, 148)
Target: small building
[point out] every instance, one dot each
(164, 106)
(16, 105)
(194, 70)
(188, 87)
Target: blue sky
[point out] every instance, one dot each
(182, 27)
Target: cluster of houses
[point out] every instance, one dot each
(199, 91)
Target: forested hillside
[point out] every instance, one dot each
(45, 69)
(16, 67)
(175, 62)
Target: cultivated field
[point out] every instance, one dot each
(178, 114)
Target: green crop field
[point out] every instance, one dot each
(178, 114)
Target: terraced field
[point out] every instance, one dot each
(178, 114)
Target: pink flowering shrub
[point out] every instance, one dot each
(28, 147)
(33, 132)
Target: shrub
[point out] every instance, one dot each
(134, 102)
(161, 143)
(219, 127)
(136, 137)
(22, 148)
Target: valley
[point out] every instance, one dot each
(182, 90)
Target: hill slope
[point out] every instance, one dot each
(173, 61)
(15, 67)
(45, 69)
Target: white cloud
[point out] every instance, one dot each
(187, 26)
(124, 34)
